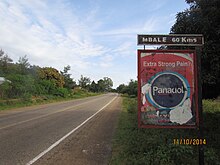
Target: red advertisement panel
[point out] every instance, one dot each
(167, 90)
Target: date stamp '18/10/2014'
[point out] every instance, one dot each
(189, 141)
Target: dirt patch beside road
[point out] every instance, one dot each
(92, 144)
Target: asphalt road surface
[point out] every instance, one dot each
(71, 132)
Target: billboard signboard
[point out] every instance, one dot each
(167, 90)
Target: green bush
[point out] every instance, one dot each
(5, 89)
(45, 87)
(131, 105)
(211, 106)
(62, 92)
(133, 145)
(26, 97)
(20, 85)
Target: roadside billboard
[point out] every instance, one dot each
(167, 90)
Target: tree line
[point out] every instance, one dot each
(202, 17)
(26, 80)
(130, 89)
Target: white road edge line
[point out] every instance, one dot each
(68, 134)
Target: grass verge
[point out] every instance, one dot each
(18, 103)
(155, 146)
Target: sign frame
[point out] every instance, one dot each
(171, 39)
(195, 73)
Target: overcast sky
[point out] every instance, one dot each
(97, 38)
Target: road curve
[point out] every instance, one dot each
(28, 134)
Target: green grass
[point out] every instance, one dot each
(18, 103)
(155, 146)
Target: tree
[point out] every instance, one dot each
(101, 85)
(121, 88)
(93, 87)
(34, 71)
(84, 82)
(45, 87)
(20, 86)
(1, 53)
(5, 61)
(130, 89)
(203, 18)
(51, 74)
(104, 85)
(108, 83)
(23, 64)
(69, 83)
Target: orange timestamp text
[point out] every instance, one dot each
(189, 141)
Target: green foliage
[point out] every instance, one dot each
(5, 62)
(131, 105)
(51, 74)
(155, 146)
(69, 83)
(103, 85)
(203, 18)
(212, 157)
(45, 87)
(62, 92)
(20, 85)
(23, 64)
(121, 88)
(80, 92)
(93, 87)
(84, 82)
(30, 84)
(130, 89)
(211, 106)
(26, 97)
(5, 90)
(108, 83)
(211, 115)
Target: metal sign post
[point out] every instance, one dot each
(169, 84)
(200, 126)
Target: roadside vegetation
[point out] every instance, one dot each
(23, 84)
(202, 18)
(44, 99)
(133, 145)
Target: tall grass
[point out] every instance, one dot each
(211, 117)
(155, 146)
(23, 102)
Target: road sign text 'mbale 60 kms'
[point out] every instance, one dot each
(172, 39)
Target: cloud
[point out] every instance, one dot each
(148, 26)
(106, 61)
(29, 29)
(96, 38)
(36, 34)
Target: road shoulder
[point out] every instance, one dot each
(92, 144)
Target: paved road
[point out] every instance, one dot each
(43, 134)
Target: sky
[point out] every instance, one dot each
(97, 38)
